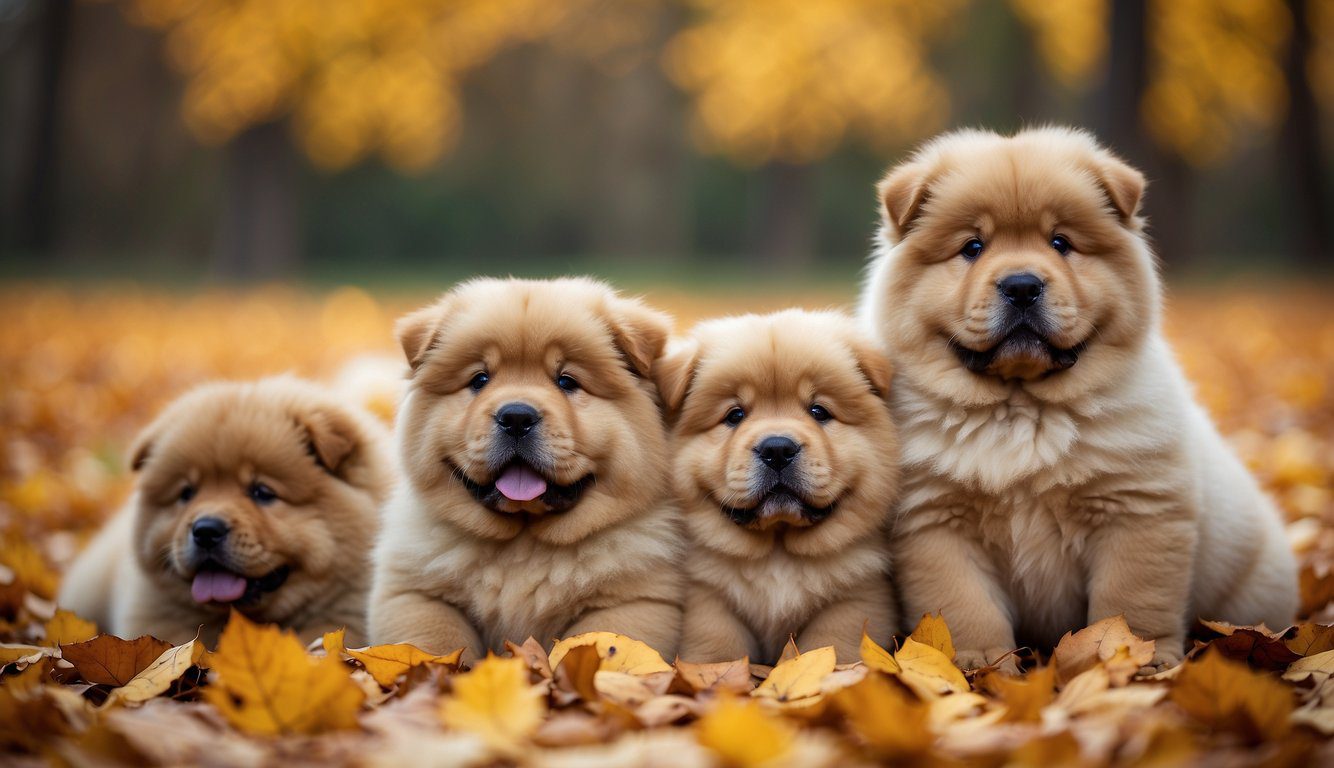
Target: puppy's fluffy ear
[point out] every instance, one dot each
(416, 332)
(1123, 184)
(640, 333)
(333, 437)
(874, 365)
(143, 447)
(902, 192)
(675, 371)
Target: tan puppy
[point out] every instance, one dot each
(258, 496)
(1057, 468)
(787, 467)
(536, 500)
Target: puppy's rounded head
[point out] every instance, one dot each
(259, 496)
(1013, 261)
(782, 433)
(530, 405)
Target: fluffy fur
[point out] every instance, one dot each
(305, 554)
(1057, 468)
(462, 565)
(783, 544)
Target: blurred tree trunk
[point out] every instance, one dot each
(260, 237)
(1302, 155)
(36, 220)
(1169, 202)
(783, 217)
(640, 172)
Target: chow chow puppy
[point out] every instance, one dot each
(1057, 469)
(260, 497)
(786, 468)
(536, 500)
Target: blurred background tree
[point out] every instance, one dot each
(400, 139)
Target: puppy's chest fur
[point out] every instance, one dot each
(1031, 481)
(777, 595)
(524, 587)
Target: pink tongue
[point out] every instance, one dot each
(519, 483)
(217, 586)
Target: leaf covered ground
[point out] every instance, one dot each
(82, 371)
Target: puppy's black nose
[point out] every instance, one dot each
(517, 419)
(208, 532)
(1021, 290)
(777, 452)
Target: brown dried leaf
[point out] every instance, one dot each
(1099, 644)
(109, 660)
(731, 676)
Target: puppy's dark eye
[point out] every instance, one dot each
(187, 493)
(971, 249)
(478, 381)
(1060, 244)
(261, 493)
(734, 416)
(566, 382)
(820, 413)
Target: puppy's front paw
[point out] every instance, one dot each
(1001, 658)
(1166, 655)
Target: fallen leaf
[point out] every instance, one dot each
(743, 734)
(65, 627)
(927, 671)
(23, 655)
(790, 650)
(386, 663)
(877, 657)
(618, 653)
(1256, 645)
(157, 677)
(533, 654)
(28, 566)
(891, 723)
(731, 676)
(576, 671)
(1099, 644)
(109, 660)
(334, 643)
(496, 703)
(798, 679)
(1226, 695)
(666, 709)
(1309, 638)
(1024, 696)
(1320, 667)
(268, 684)
(933, 631)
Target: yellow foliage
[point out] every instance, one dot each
(65, 627)
(1221, 693)
(933, 631)
(876, 657)
(797, 680)
(269, 685)
(744, 735)
(496, 703)
(927, 671)
(789, 80)
(618, 653)
(1071, 36)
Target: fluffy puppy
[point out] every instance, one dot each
(260, 497)
(536, 500)
(786, 468)
(1057, 468)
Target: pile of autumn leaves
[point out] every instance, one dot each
(75, 696)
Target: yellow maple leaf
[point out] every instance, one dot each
(618, 653)
(157, 677)
(927, 671)
(743, 734)
(1024, 697)
(269, 685)
(933, 631)
(1226, 695)
(66, 627)
(496, 703)
(798, 680)
(891, 723)
(877, 657)
(386, 663)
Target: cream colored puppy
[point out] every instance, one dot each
(536, 500)
(786, 467)
(1057, 468)
(259, 497)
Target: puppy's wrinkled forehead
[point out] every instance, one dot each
(508, 325)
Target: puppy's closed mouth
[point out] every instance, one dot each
(779, 507)
(214, 583)
(1023, 353)
(519, 488)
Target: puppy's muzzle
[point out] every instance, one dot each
(517, 419)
